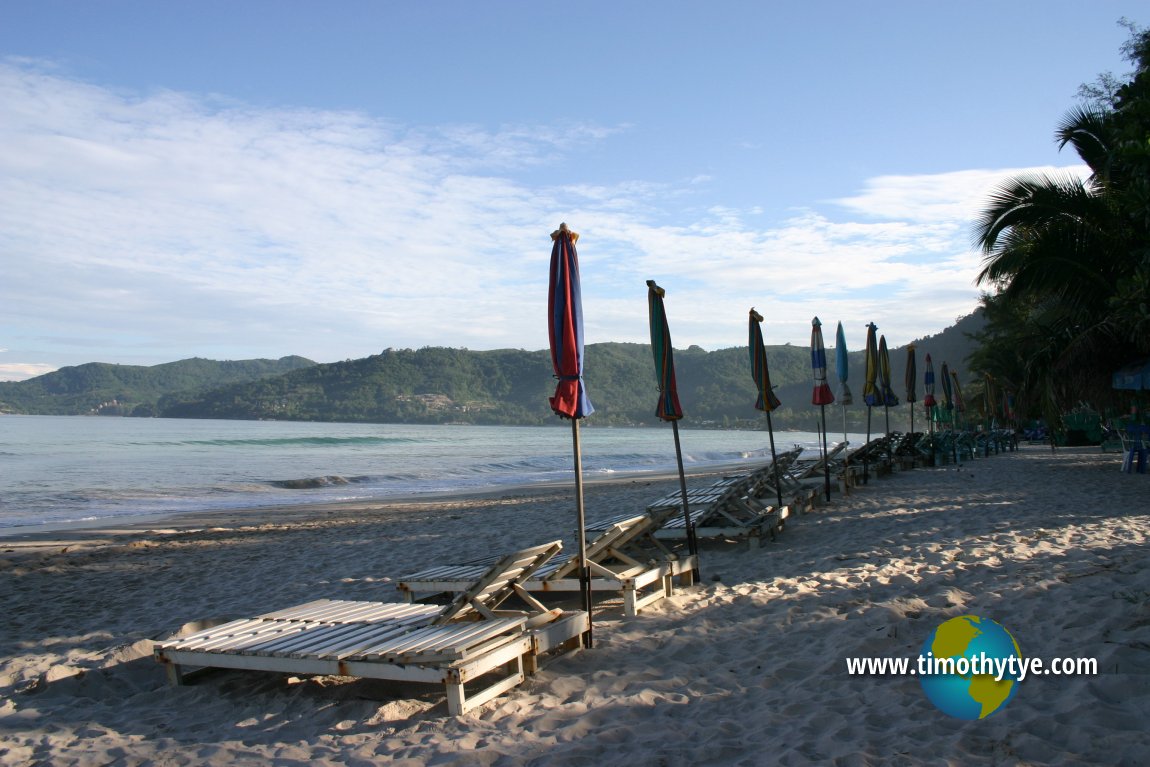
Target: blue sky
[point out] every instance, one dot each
(255, 179)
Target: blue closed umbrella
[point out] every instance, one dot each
(842, 368)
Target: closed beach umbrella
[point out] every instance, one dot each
(821, 395)
(669, 408)
(991, 401)
(911, 379)
(947, 403)
(565, 330)
(888, 396)
(948, 406)
(871, 394)
(766, 401)
(928, 400)
(842, 368)
(959, 404)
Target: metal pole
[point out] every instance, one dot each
(692, 542)
(584, 568)
(826, 463)
(775, 461)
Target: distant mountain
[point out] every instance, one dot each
(505, 386)
(510, 386)
(99, 388)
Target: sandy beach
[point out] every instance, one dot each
(746, 668)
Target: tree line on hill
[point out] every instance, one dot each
(444, 385)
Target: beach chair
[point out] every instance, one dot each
(814, 469)
(866, 460)
(799, 493)
(723, 509)
(469, 640)
(616, 564)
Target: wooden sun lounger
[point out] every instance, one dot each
(814, 469)
(614, 568)
(724, 509)
(795, 494)
(467, 640)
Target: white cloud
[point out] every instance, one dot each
(23, 371)
(150, 228)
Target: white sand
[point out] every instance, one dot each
(750, 670)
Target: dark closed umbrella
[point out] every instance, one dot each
(871, 394)
(911, 382)
(889, 399)
(821, 395)
(565, 330)
(928, 400)
(669, 408)
(767, 401)
(948, 405)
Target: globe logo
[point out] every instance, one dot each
(969, 667)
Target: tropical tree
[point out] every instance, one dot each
(1067, 257)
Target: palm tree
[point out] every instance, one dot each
(1069, 256)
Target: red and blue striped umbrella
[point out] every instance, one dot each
(767, 401)
(565, 328)
(821, 395)
(669, 408)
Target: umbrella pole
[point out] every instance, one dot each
(826, 463)
(692, 541)
(847, 453)
(584, 568)
(775, 461)
(866, 450)
(889, 451)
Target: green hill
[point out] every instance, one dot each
(511, 386)
(99, 388)
(441, 385)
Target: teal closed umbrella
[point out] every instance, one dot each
(669, 408)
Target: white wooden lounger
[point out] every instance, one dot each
(450, 645)
(614, 568)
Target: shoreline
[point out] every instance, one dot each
(1049, 544)
(64, 534)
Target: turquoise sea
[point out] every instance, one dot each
(63, 469)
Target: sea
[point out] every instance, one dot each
(77, 470)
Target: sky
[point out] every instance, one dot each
(258, 179)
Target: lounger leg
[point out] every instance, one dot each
(630, 597)
(175, 673)
(456, 698)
